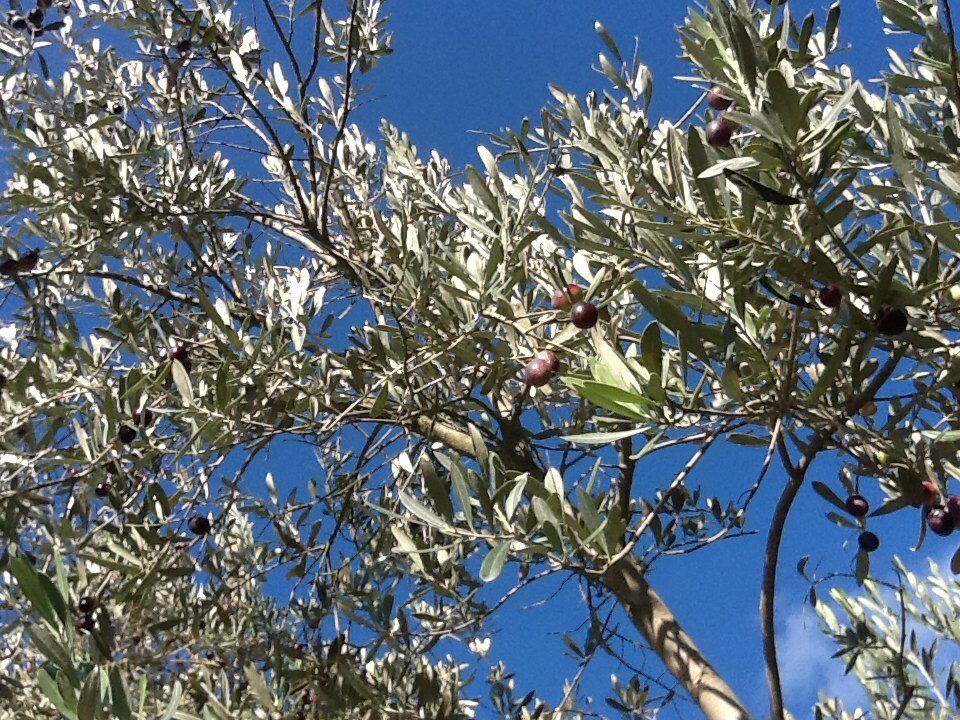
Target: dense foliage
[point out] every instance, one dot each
(286, 410)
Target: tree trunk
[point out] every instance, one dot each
(675, 648)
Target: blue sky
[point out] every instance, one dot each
(461, 66)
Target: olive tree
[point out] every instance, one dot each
(209, 263)
(900, 641)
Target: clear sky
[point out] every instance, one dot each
(485, 64)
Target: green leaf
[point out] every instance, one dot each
(480, 451)
(588, 510)
(786, 103)
(28, 580)
(177, 693)
(829, 495)
(423, 512)
(182, 380)
(462, 492)
(608, 40)
(516, 494)
(768, 194)
(50, 688)
(258, 686)
(406, 544)
(380, 402)
(612, 398)
(833, 113)
(88, 706)
(480, 189)
(942, 436)
(57, 600)
(863, 566)
(51, 648)
(437, 490)
(118, 694)
(494, 561)
(748, 440)
(832, 368)
(214, 315)
(602, 438)
(891, 505)
(743, 162)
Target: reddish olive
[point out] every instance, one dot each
(564, 299)
(718, 99)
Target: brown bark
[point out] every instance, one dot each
(676, 649)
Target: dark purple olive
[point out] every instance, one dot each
(537, 372)
(718, 99)
(940, 522)
(868, 541)
(199, 525)
(102, 490)
(143, 417)
(953, 507)
(87, 604)
(719, 132)
(831, 296)
(929, 494)
(127, 434)
(584, 315)
(84, 623)
(890, 321)
(180, 354)
(857, 505)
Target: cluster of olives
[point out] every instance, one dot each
(941, 518)
(583, 314)
(719, 131)
(86, 607)
(888, 320)
(143, 417)
(32, 22)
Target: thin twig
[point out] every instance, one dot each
(666, 494)
(954, 63)
(342, 127)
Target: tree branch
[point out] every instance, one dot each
(797, 473)
(679, 654)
